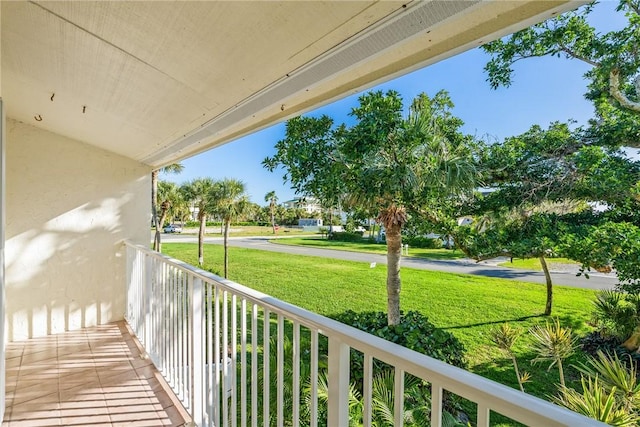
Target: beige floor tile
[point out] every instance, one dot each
(91, 377)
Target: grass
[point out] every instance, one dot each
(467, 306)
(534, 263)
(366, 246)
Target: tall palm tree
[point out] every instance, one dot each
(200, 193)
(229, 202)
(169, 198)
(273, 200)
(172, 168)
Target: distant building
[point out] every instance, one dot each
(310, 222)
(308, 204)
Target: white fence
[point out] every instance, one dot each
(237, 357)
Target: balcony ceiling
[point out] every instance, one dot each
(161, 81)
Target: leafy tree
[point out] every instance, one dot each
(614, 82)
(385, 162)
(172, 168)
(551, 186)
(200, 192)
(273, 200)
(229, 201)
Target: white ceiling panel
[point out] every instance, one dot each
(159, 81)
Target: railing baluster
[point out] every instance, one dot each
(210, 351)
(197, 360)
(243, 364)
(398, 397)
(234, 349)
(436, 405)
(280, 373)
(266, 325)
(296, 374)
(314, 378)
(217, 356)
(338, 410)
(483, 416)
(367, 390)
(224, 358)
(254, 365)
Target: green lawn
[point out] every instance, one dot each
(534, 263)
(365, 246)
(468, 306)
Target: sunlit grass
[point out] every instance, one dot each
(534, 263)
(368, 247)
(468, 306)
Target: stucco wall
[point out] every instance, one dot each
(69, 206)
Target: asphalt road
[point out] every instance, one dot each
(465, 266)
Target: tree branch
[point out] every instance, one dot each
(574, 55)
(614, 88)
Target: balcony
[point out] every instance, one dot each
(234, 356)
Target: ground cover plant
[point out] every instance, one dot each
(368, 247)
(467, 306)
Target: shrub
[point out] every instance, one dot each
(423, 242)
(344, 236)
(617, 314)
(414, 332)
(596, 341)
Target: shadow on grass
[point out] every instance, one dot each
(498, 322)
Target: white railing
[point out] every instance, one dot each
(209, 338)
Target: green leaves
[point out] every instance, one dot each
(613, 57)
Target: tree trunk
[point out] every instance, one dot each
(154, 208)
(394, 253)
(273, 220)
(227, 223)
(330, 221)
(547, 276)
(158, 241)
(203, 223)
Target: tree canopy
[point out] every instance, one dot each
(614, 58)
(387, 162)
(579, 166)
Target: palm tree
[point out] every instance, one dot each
(229, 202)
(273, 200)
(172, 168)
(169, 197)
(200, 192)
(423, 160)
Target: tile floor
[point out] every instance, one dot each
(92, 377)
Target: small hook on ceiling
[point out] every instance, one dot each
(52, 95)
(38, 118)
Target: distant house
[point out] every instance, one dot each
(308, 204)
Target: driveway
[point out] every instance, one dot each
(464, 266)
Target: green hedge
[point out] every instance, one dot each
(344, 236)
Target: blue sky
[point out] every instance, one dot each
(544, 90)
